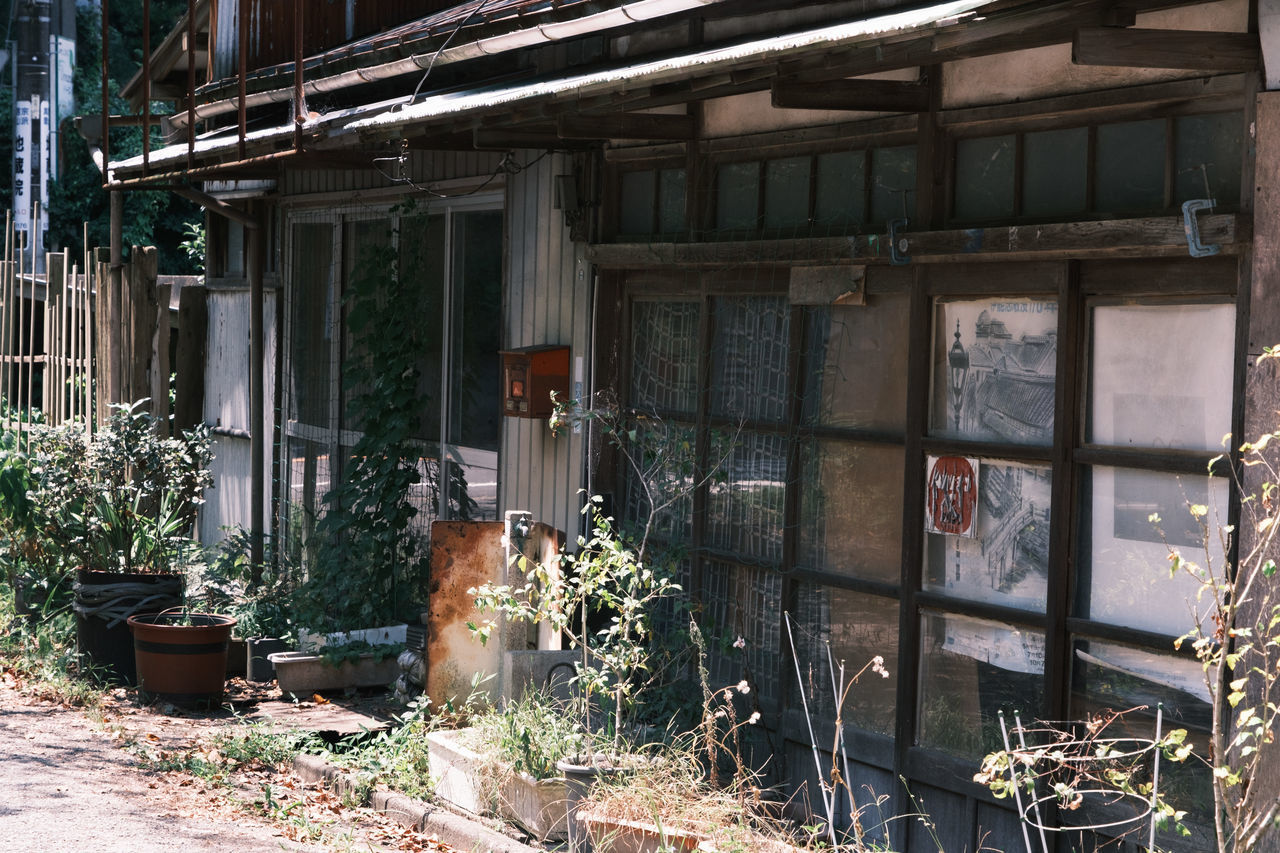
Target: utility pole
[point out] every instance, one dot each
(44, 59)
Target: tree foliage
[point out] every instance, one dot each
(76, 198)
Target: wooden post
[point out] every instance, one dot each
(115, 286)
(107, 322)
(193, 323)
(141, 321)
(160, 359)
(6, 316)
(55, 284)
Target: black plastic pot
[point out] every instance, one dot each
(103, 603)
(258, 667)
(578, 781)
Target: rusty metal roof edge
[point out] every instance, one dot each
(373, 119)
(433, 34)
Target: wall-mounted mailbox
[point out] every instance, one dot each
(529, 375)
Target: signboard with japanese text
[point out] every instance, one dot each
(22, 151)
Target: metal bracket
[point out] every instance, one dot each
(1191, 227)
(898, 244)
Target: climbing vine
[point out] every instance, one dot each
(368, 557)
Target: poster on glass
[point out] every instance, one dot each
(994, 366)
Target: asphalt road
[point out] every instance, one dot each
(66, 786)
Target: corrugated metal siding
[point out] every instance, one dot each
(548, 302)
(226, 404)
(327, 24)
(422, 167)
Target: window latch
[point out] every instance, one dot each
(1191, 227)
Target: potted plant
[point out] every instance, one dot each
(118, 505)
(181, 656)
(504, 762)
(257, 596)
(606, 574)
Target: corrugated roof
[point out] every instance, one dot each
(489, 99)
(662, 70)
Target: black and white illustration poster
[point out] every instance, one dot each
(994, 367)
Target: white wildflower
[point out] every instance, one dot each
(754, 718)
(743, 687)
(740, 643)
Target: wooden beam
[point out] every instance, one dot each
(1098, 105)
(1185, 49)
(627, 126)
(889, 96)
(201, 41)
(1160, 236)
(502, 140)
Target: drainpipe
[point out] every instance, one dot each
(549, 33)
(257, 454)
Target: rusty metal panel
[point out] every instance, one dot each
(464, 554)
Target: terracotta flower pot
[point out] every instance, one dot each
(182, 657)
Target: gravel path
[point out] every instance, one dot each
(65, 785)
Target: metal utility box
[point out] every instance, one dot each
(529, 375)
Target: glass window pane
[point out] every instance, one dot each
(1110, 676)
(422, 269)
(994, 362)
(842, 188)
(851, 509)
(309, 480)
(311, 324)
(1214, 143)
(365, 256)
(664, 498)
(671, 192)
(1146, 392)
(742, 601)
(786, 193)
(856, 365)
(738, 196)
(984, 177)
(747, 495)
(893, 179)
(473, 492)
(664, 356)
(1007, 562)
(970, 670)
(425, 494)
(475, 413)
(1055, 172)
(752, 340)
(1129, 175)
(1126, 578)
(635, 214)
(856, 628)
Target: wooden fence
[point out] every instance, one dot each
(75, 339)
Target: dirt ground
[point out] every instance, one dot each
(74, 779)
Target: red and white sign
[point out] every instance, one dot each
(951, 496)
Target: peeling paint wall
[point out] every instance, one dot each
(226, 405)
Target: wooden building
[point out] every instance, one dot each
(871, 247)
